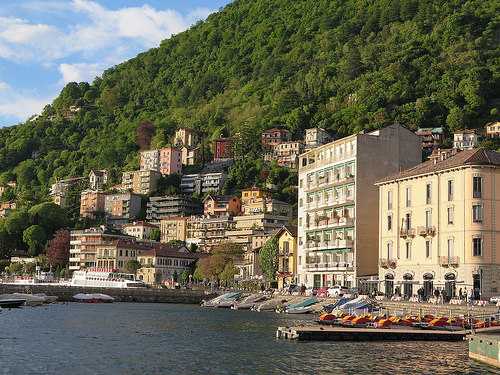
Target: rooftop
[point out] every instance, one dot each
(476, 156)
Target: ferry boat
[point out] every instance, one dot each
(105, 278)
(46, 278)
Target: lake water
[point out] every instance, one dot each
(124, 338)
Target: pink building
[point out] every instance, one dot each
(170, 160)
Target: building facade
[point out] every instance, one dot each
(185, 137)
(173, 228)
(165, 264)
(466, 139)
(438, 226)
(84, 244)
(141, 182)
(338, 204)
(202, 183)
(170, 161)
(315, 137)
(223, 149)
(286, 154)
(98, 178)
(431, 138)
(287, 256)
(59, 190)
(492, 129)
(163, 207)
(139, 229)
(91, 203)
(122, 205)
(273, 137)
(221, 205)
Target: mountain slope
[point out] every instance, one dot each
(343, 65)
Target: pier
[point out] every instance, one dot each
(325, 333)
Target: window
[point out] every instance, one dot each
(300, 202)
(451, 245)
(477, 213)
(408, 221)
(451, 213)
(389, 200)
(428, 249)
(477, 187)
(389, 250)
(408, 250)
(428, 194)
(450, 190)
(408, 197)
(389, 222)
(428, 218)
(477, 247)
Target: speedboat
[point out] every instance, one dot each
(248, 302)
(93, 298)
(226, 300)
(300, 310)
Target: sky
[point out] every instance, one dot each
(45, 44)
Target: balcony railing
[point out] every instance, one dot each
(387, 263)
(329, 265)
(331, 222)
(407, 232)
(333, 244)
(426, 231)
(330, 202)
(329, 180)
(447, 261)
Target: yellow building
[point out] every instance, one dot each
(438, 225)
(165, 264)
(287, 263)
(116, 254)
(173, 229)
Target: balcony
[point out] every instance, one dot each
(447, 261)
(329, 181)
(407, 232)
(426, 231)
(330, 202)
(329, 245)
(331, 222)
(341, 266)
(387, 263)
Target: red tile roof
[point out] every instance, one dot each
(460, 159)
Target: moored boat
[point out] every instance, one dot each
(226, 300)
(105, 278)
(248, 302)
(9, 302)
(93, 298)
(31, 299)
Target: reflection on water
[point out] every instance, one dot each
(125, 338)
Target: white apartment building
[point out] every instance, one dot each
(338, 204)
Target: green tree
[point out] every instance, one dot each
(154, 235)
(15, 269)
(132, 266)
(35, 237)
(228, 273)
(268, 259)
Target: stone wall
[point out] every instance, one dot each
(145, 295)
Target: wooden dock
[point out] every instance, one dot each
(325, 333)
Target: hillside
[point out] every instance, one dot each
(342, 65)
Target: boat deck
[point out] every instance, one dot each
(326, 333)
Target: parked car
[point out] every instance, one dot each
(337, 291)
(495, 299)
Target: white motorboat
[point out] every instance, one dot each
(249, 302)
(93, 298)
(105, 278)
(224, 300)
